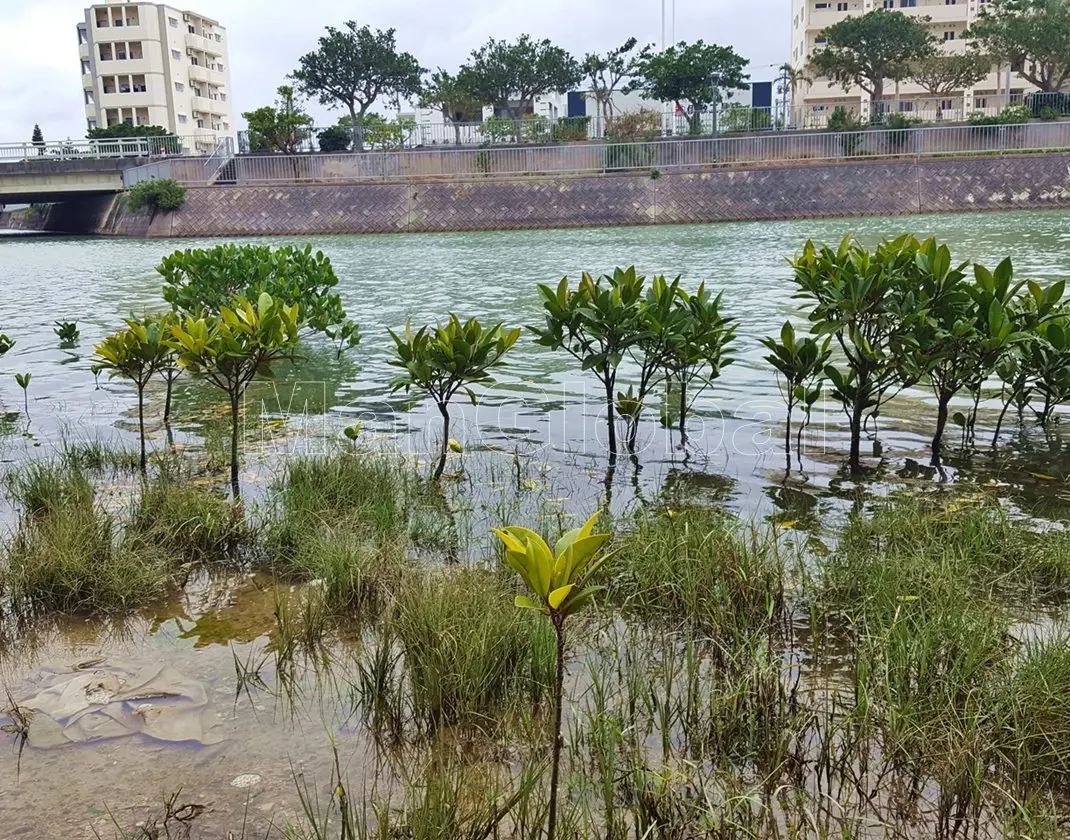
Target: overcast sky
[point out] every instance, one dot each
(40, 76)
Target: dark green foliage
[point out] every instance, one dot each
(1030, 33)
(335, 138)
(509, 75)
(156, 194)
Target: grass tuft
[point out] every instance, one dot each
(186, 522)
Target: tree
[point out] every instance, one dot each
(355, 66)
(283, 128)
(135, 352)
(699, 74)
(510, 75)
(451, 95)
(942, 75)
(560, 581)
(607, 71)
(336, 138)
(800, 366)
(596, 324)
(1031, 35)
(865, 50)
(233, 347)
(441, 361)
(197, 280)
(793, 78)
(38, 139)
(164, 141)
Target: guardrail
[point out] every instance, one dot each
(127, 147)
(469, 164)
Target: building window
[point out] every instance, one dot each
(172, 22)
(179, 87)
(83, 38)
(91, 124)
(89, 100)
(105, 52)
(906, 106)
(176, 55)
(182, 118)
(191, 28)
(85, 66)
(219, 67)
(949, 35)
(841, 7)
(137, 84)
(226, 126)
(200, 123)
(980, 102)
(947, 104)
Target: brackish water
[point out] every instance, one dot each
(540, 407)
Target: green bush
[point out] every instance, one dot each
(571, 129)
(157, 194)
(1048, 113)
(336, 138)
(845, 121)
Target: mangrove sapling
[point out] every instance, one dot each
(442, 360)
(135, 353)
(597, 324)
(67, 333)
(198, 281)
(5, 344)
(23, 380)
(662, 317)
(800, 366)
(697, 351)
(234, 347)
(1047, 360)
(559, 580)
(865, 301)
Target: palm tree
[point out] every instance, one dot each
(793, 78)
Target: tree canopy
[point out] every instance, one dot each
(943, 75)
(510, 75)
(451, 95)
(282, 128)
(606, 72)
(865, 50)
(355, 66)
(1031, 35)
(699, 74)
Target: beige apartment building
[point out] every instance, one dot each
(949, 20)
(150, 64)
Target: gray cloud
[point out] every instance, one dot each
(40, 78)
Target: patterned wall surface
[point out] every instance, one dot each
(773, 192)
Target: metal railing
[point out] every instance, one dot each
(669, 154)
(128, 147)
(215, 163)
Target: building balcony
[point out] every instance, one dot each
(211, 47)
(205, 105)
(83, 50)
(87, 81)
(198, 73)
(127, 100)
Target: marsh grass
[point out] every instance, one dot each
(187, 522)
(468, 654)
(357, 577)
(96, 456)
(67, 553)
(699, 566)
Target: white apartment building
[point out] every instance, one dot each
(949, 20)
(152, 64)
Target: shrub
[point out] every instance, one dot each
(157, 194)
(571, 129)
(644, 124)
(1048, 113)
(186, 522)
(337, 138)
(845, 121)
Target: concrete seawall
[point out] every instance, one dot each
(852, 188)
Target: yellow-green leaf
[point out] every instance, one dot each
(558, 596)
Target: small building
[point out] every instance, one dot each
(151, 64)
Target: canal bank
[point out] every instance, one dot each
(885, 187)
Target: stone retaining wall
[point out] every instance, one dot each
(855, 188)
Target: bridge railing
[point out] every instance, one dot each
(74, 149)
(660, 155)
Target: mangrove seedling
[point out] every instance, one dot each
(67, 332)
(442, 360)
(866, 303)
(698, 349)
(5, 344)
(135, 353)
(24, 383)
(559, 583)
(169, 368)
(232, 348)
(800, 366)
(597, 324)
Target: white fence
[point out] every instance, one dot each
(669, 154)
(130, 147)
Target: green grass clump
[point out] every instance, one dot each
(362, 495)
(187, 522)
(982, 546)
(43, 488)
(468, 652)
(696, 565)
(356, 576)
(68, 558)
(94, 456)
(1033, 711)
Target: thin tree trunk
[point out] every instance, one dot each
(357, 128)
(1002, 417)
(235, 486)
(941, 424)
(559, 690)
(855, 461)
(444, 411)
(167, 399)
(141, 425)
(683, 412)
(787, 439)
(611, 418)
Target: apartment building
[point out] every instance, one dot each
(949, 19)
(150, 64)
